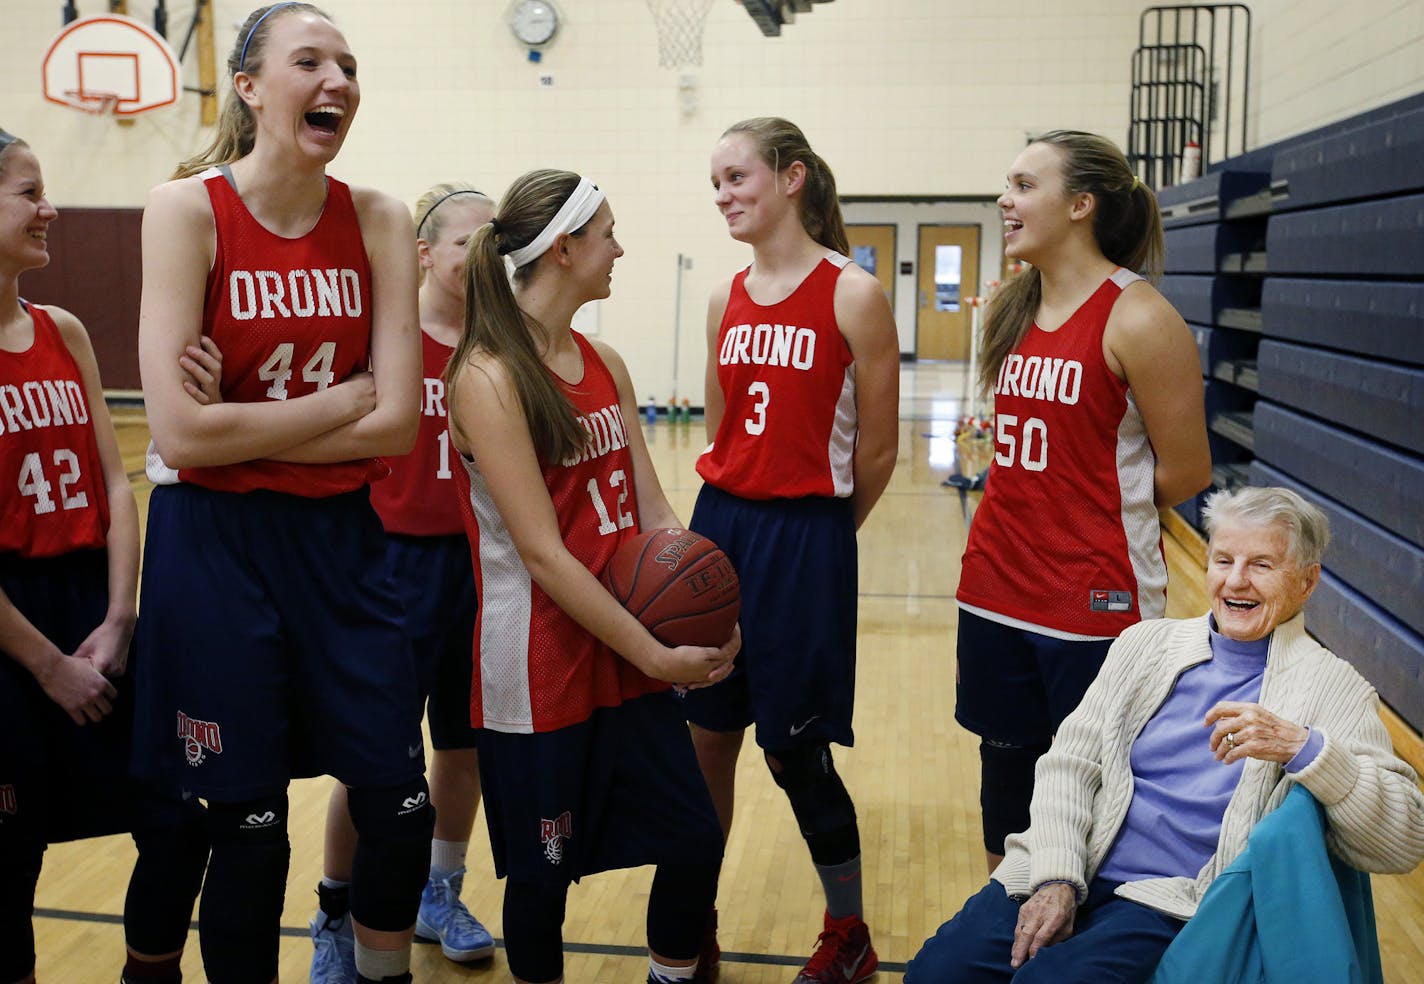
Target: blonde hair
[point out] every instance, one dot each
(430, 217)
(237, 129)
(780, 143)
(494, 322)
(1127, 227)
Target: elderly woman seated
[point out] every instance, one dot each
(1193, 731)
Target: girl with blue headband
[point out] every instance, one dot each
(276, 641)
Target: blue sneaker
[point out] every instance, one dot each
(444, 918)
(333, 950)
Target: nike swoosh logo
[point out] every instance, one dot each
(850, 968)
(796, 730)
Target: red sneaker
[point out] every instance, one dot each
(709, 961)
(843, 954)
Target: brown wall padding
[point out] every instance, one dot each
(95, 271)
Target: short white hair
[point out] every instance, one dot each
(1306, 525)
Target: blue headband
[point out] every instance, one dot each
(242, 59)
(6, 139)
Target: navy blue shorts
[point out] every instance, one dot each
(58, 780)
(435, 580)
(795, 675)
(619, 790)
(1015, 686)
(275, 645)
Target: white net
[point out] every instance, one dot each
(680, 25)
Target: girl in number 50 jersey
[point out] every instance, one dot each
(1098, 419)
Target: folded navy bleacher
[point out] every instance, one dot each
(1384, 651)
(1262, 158)
(1211, 197)
(1377, 481)
(1383, 567)
(1217, 348)
(1369, 161)
(1381, 399)
(1202, 248)
(1202, 299)
(1383, 237)
(1382, 320)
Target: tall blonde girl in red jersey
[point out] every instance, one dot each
(68, 584)
(584, 758)
(276, 642)
(1099, 422)
(802, 409)
(429, 563)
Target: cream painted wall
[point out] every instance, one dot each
(1320, 60)
(902, 97)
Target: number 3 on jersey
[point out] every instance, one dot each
(756, 423)
(1029, 443)
(278, 368)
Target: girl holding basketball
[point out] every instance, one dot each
(1099, 423)
(275, 641)
(802, 411)
(585, 762)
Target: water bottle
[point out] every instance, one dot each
(650, 412)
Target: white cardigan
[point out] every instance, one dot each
(1084, 784)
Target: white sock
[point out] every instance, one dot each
(663, 974)
(380, 964)
(446, 858)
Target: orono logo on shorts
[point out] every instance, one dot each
(553, 833)
(197, 735)
(8, 803)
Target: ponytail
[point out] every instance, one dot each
(237, 129)
(780, 143)
(1127, 226)
(495, 324)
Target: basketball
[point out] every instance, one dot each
(680, 585)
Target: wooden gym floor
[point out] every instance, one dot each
(913, 774)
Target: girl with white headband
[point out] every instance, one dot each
(276, 640)
(585, 760)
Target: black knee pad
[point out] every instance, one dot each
(240, 914)
(819, 800)
(1006, 788)
(172, 841)
(19, 873)
(534, 929)
(394, 825)
(678, 906)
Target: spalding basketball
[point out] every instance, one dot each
(680, 585)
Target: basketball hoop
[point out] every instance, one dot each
(110, 65)
(680, 24)
(91, 102)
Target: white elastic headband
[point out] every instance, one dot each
(573, 215)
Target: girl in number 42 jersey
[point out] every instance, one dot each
(68, 577)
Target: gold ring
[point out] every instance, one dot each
(1231, 741)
